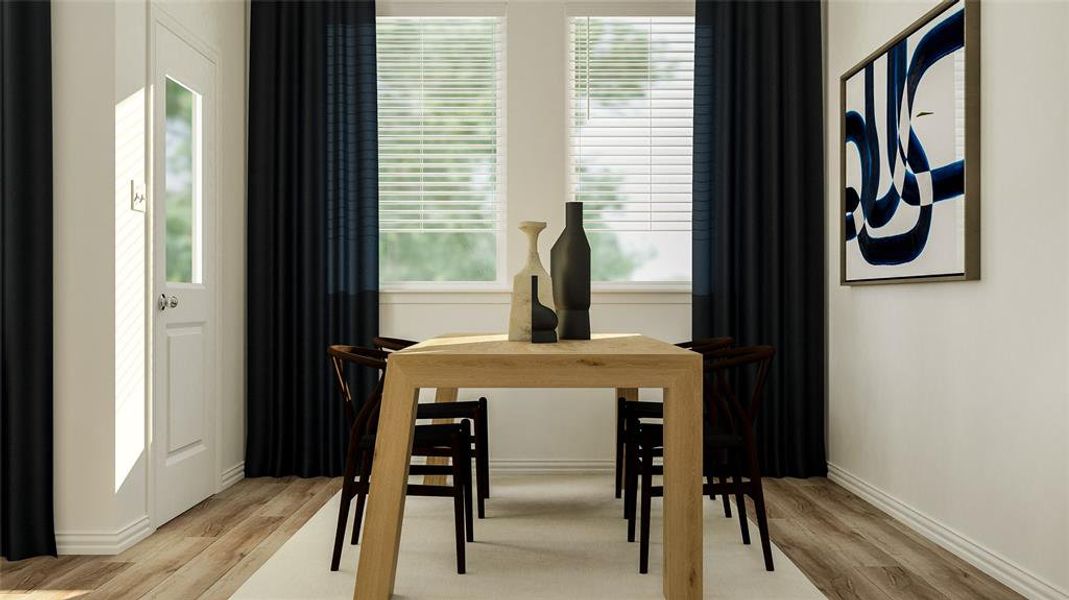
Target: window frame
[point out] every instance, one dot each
(611, 10)
(512, 248)
(443, 9)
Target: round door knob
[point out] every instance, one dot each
(166, 302)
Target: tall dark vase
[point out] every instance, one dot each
(570, 271)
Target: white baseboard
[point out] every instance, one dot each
(995, 565)
(231, 476)
(507, 466)
(103, 542)
(114, 542)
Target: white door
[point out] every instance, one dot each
(183, 415)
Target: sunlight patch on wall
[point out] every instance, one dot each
(129, 287)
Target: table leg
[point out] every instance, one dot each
(441, 395)
(683, 488)
(386, 499)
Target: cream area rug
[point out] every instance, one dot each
(545, 536)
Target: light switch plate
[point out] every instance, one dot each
(137, 196)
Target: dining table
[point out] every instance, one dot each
(622, 362)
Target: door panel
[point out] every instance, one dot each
(185, 390)
(183, 188)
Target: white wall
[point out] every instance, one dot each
(84, 227)
(100, 71)
(949, 402)
(538, 429)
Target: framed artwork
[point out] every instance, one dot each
(910, 154)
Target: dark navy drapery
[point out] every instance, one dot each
(26, 521)
(312, 225)
(759, 208)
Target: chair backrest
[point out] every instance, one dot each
(730, 372)
(340, 357)
(707, 345)
(391, 344)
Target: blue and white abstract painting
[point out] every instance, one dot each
(904, 145)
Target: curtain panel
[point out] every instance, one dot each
(312, 226)
(759, 222)
(26, 494)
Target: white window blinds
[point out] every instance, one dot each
(632, 91)
(441, 130)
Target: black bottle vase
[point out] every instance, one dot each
(570, 271)
(543, 320)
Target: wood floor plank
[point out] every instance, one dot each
(823, 566)
(197, 575)
(152, 569)
(782, 502)
(293, 496)
(951, 575)
(847, 542)
(229, 583)
(37, 573)
(236, 507)
(81, 580)
(898, 582)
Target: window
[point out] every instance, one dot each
(441, 148)
(632, 90)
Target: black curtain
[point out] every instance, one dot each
(759, 208)
(312, 226)
(26, 522)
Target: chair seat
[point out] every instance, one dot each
(652, 434)
(448, 410)
(428, 436)
(643, 410)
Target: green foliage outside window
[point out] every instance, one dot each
(617, 81)
(438, 155)
(179, 182)
(438, 86)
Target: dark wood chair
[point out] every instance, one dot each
(630, 409)
(730, 444)
(476, 410)
(448, 440)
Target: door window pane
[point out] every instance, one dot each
(181, 184)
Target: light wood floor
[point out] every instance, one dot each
(845, 546)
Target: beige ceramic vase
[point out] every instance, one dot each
(520, 315)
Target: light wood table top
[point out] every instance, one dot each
(619, 361)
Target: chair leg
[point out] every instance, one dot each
(469, 489)
(647, 497)
(740, 505)
(482, 455)
(619, 445)
(631, 488)
(758, 495)
(361, 497)
(724, 497)
(343, 509)
(458, 511)
(343, 520)
(480, 500)
(707, 467)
